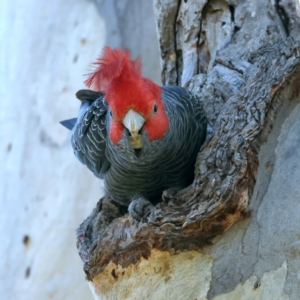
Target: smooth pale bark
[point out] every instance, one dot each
(234, 233)
(46, 48)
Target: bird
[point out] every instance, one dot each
(140, 138)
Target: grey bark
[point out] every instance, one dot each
(243, 60)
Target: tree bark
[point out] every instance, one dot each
(243, 60)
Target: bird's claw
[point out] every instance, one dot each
(140, 208)
(170, 194)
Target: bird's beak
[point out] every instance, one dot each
(133, 121)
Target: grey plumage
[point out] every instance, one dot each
(160, 164)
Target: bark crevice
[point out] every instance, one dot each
(283, 16)
(178, 52)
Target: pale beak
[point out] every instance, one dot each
(133, 121)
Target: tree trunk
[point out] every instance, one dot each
(241, 58)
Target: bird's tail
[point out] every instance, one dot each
(70, 123)
(87, 97)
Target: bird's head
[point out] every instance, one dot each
(135, 102)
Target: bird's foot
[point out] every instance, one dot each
(170, 194)
(140, 208)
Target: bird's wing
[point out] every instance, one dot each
(188, 105)
(88, 137)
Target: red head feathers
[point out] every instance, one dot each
(121, 80)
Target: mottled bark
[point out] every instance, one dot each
(242, 61)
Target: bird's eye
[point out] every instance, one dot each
(154, 108)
